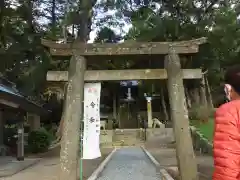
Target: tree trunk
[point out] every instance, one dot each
(73, 30)
(188, 100)
(86, 11)
(60, 127)
(203, 97)
(73, 115)
(209, 96)
(53, 19)
(195, 98)
(2, 34)
(163, 103)
(30, 18)
(187, 164)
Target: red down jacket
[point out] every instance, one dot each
(226, 142)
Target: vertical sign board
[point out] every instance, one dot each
(91, 132)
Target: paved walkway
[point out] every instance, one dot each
(129, 164)
(10, 166)
(46, 169)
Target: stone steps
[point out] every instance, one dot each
(122, 143)
(126, 135)
(128, 143)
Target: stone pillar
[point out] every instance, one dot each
(187, 164)
(2, 146)
(149, 111)
(20, 142)
(34, 121)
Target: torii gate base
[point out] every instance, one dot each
(73, 111)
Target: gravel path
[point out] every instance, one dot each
(129, 164)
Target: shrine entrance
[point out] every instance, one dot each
(78, 73)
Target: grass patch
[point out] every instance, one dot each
(206, 129)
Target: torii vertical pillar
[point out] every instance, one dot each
(73, 115)
(20, 141)
(187, 164)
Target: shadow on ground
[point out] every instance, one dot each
(163, 150)
(48, 167)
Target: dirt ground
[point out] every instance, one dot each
(164, 152)
(48, 167)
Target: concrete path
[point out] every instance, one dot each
(46, 169)
(10, 166)
(129, 164)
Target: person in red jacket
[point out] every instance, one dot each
(226, 143)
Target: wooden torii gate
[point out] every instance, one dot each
(77, 74)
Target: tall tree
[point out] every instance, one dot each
(73, 108)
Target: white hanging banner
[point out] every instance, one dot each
(91, 132)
